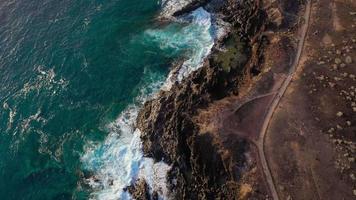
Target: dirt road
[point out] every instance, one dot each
(275, 102)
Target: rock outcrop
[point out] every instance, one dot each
(141, 191)
(204, 166)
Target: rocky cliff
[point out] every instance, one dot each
(205, 166)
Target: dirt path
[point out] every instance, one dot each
(275, 102)
(253, 99)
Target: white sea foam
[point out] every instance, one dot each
(118, 162)
(169, 7)
(12, 115)
(201, 20)
(199, 35)
(46, 79)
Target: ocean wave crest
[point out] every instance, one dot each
(197, 38)
(169, 7)
(119, 161)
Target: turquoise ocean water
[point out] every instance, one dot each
(73, 75)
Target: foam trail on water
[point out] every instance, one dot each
(201, 21)
(199, 36)
(118, 162)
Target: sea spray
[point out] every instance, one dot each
(119, 161)
(169, 7)
(197, 39)
(196, 36)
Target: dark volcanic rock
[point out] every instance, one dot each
(190, 7)
(140, 190)
(202, 168)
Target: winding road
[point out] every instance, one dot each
(253, 99)
(261, 141)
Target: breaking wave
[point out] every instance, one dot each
(197, 38)
(119, 160)
(169, 7)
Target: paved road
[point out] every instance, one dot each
(275, 102)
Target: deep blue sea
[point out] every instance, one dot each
(73, 75)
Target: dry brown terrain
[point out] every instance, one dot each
(280, 125)
(310, 141)
(309, 138)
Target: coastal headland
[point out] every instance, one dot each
(270, 115)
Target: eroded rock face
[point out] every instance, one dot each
(204, 166)
(199, 169)
(141, 191)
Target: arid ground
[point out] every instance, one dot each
(299, 114)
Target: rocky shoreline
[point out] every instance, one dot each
(203, 166)
(208, 127)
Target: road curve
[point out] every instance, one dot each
(275, 102)
(252, 99)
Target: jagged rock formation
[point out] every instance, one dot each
(141, 191)
(204, 166)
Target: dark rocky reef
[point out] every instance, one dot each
(190, 7)
(203, 167)
(141, 191)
